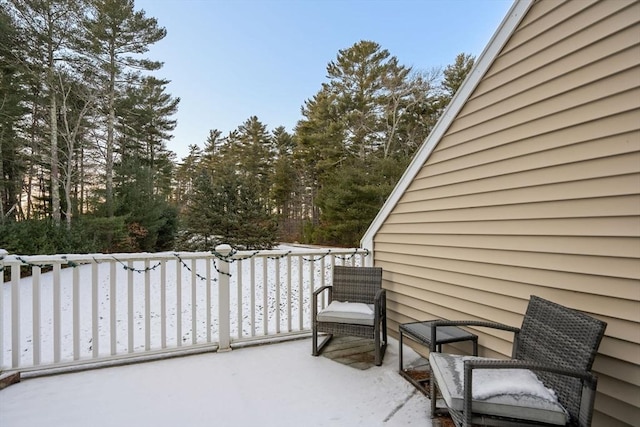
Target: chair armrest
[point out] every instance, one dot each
(380, 303)
(314, 304)
(469, 365)
(494, 325)
(438, 323)
(322, 289)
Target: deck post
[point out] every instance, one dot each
(224, 295)
(3, 254)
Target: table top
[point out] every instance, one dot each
(421, 331)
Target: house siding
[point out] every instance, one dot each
(534, 188)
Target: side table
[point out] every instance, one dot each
(420, 332)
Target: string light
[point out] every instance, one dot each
(230, 258)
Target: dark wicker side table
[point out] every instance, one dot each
(420, 332)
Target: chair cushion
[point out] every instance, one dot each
(348, 312)
(515, 393)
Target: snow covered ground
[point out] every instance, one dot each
(276, 385)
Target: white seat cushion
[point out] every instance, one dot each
(348, 312)
(515, 393)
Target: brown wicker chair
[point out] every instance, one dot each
(555, 343)
(356, 307)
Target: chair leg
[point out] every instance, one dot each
(378, 348)
(432, 396)
(384, 329)
(317, 349)
(314, 342)
(380, 345)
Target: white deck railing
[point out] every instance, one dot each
(81, 309)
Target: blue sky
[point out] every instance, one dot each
(231, 59)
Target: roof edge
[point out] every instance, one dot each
(480, 68)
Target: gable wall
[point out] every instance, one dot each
(535, 189)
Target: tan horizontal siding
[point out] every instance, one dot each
(566, 49)
(569, 104)
(509, 158)
(490, 191)
(534, 189)
(524, 205)
(614, 226)
(589, 265)
(582, 245)
(458, 277)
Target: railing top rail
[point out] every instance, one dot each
(172, 255)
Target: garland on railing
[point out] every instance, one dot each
(136, 270)
(229, 258)
(226, 258)
(198, 275)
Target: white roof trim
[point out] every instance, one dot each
(481, 66)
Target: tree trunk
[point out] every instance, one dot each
(110, 143)
(53, 117)
(55, 172)
(3, 198)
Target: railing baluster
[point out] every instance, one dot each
(208, 296)
(113, 329)
(300, 293)
(130, 320)
(240, 308)
(252, 273)
(95, 335)
(278, 290)
(179, 303)
(57, 314)
(194, 303)
(35, 314)
(289, 325)
(265, 297)
(312, 275)
(147, 305)
(15, 315)
(76, 314)
(163, 304)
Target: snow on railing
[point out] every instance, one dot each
(69, 310)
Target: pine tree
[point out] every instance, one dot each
(283, 181)
(455, 73)
(117, 36)
(255, 155)
(49, 28)
(12, 109)
(226, 207)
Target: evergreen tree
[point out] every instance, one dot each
(48, 28)
(359, 133)
(117, 36)
(144, 169)
(254, 155)
(12, 110)
(454, 74)
(227, 208)
(186, 175)
(283, 181)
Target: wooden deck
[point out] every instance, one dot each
(359, 353)
(352, 351)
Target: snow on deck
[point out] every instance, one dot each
(279, 385)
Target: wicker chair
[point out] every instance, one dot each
(357, 307)
(555, 343)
